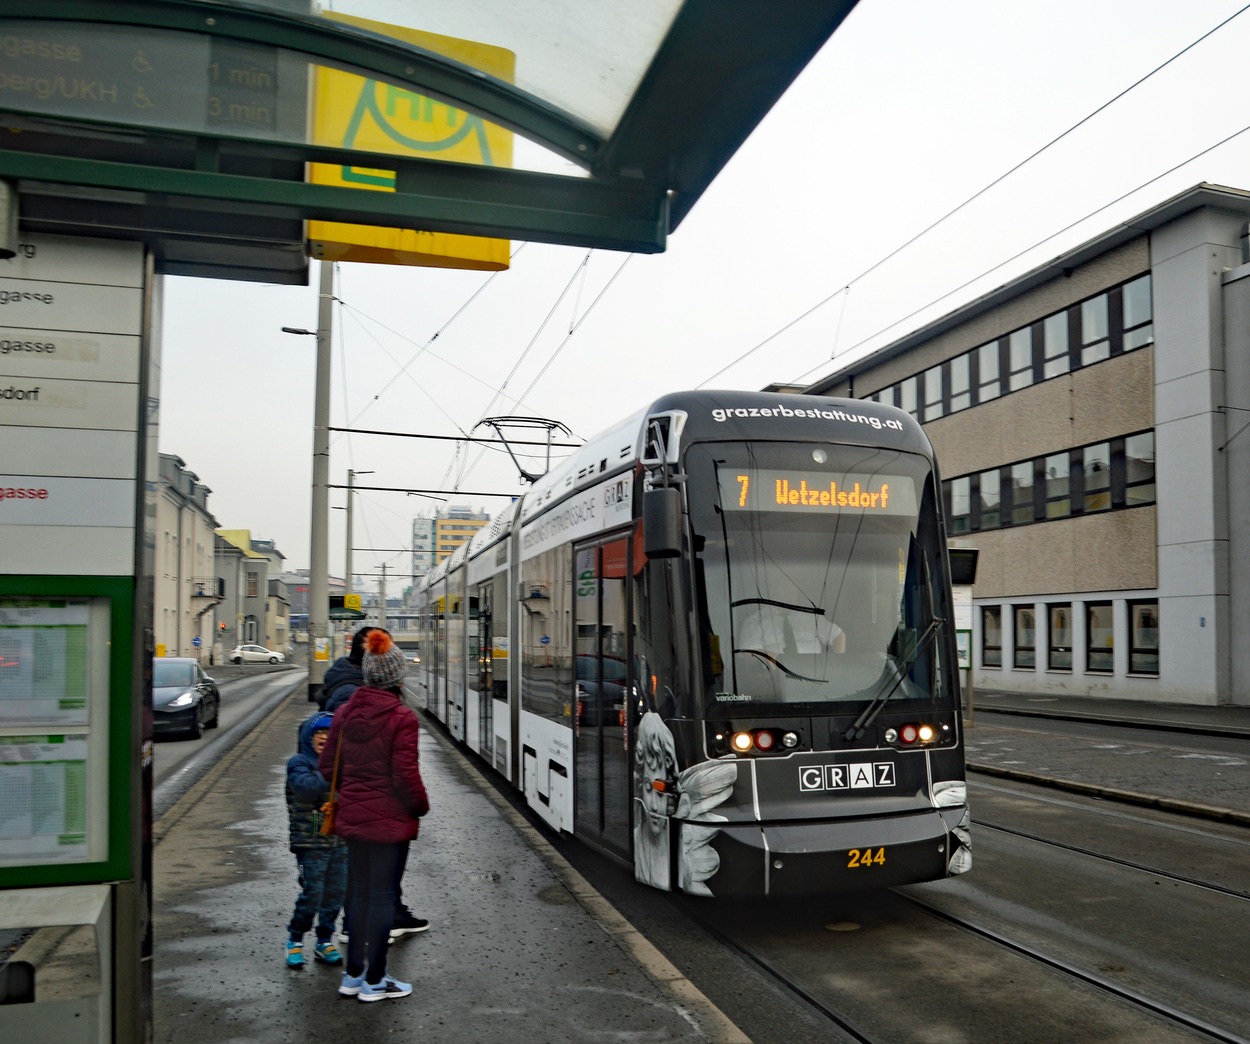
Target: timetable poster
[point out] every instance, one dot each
(43, 799)
(44, 676)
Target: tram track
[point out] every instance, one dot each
(1103, 983)
(843, 1014)
(1190, 834)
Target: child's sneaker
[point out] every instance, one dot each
(388, 987)
(351, 985)
(326, 952)
(294, 950)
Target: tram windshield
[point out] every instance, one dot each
(819, 576)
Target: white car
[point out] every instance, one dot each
(255, 654)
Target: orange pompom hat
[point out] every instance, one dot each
(383, 666)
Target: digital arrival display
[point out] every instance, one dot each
(765, 489)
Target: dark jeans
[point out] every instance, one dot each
(374, 869)
(323, 888)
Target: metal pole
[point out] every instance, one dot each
(319, 555)
(347, 558)
(382, 599)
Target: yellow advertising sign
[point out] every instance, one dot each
(351, 601)
(351, 111)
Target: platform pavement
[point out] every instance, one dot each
(520, 947)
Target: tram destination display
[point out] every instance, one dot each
(771, 489)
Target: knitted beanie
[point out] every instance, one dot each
(384, 666)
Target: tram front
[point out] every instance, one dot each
(813, 742)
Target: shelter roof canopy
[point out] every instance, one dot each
(624, 113)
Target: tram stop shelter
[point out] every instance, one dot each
(239, 140)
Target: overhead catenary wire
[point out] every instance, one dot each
(845, 288)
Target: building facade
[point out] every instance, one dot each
(186, 590)
(454, 526)
(422, 547)
(1088, 421)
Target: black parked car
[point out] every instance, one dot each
(185, 700)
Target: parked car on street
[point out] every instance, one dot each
(185, 700)
(254, 654)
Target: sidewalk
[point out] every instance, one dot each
(1181, 717)
(519, 947)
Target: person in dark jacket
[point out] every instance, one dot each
(322, 859)
(381, 801)
(343, 676)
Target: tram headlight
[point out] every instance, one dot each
(742, 742)
(790, 740)
(765, 740)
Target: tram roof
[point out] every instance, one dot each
(629, 111)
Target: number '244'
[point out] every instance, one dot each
(865, 858)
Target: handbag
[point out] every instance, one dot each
(329, 810)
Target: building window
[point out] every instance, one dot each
(1143, 650)
(961, 504)
(960, 383)
(1096, 467)
(1025, 643)
(1022, 509)
(992, 636)
(1139, 469)
(1059, 655)
(1100, 637)
(933, 393)
(1020, 359)
(1058, 496)
(991, 500)
(989, 385)
(1095, 343)
(1138, 316)
(253, 585)
(1055, 359)
(907, 396)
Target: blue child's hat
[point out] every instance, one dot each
(321, 721)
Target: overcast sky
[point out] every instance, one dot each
(912, 108)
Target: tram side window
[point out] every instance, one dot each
(1025, 647)
(655, 622)
(546, 660)
(1100, 636)
(497, 651)
(992, 636)
(1143, 637)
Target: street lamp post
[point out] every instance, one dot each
(319, 552)
(347, 561)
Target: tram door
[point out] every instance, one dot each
(601, 656)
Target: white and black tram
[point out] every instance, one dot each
(717, 642)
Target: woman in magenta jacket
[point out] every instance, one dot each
(381, 800)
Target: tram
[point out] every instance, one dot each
(717, 643)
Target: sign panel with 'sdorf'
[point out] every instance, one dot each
(71, 320)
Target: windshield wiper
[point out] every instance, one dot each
(771, 659)
(869, 713)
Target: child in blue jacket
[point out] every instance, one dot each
(322, 858)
